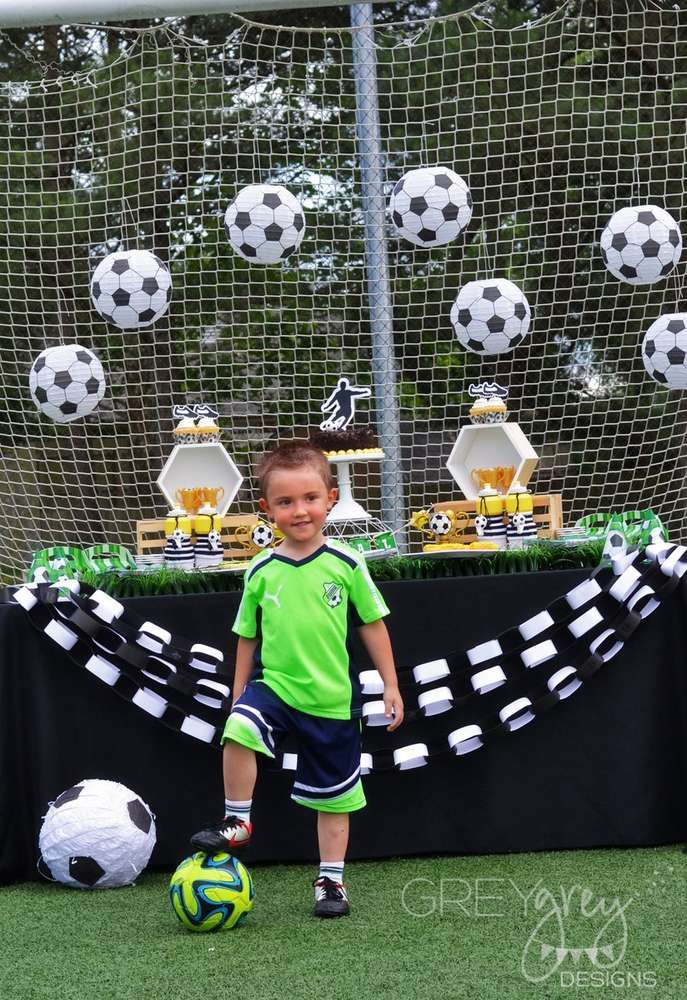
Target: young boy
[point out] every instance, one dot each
(293, 671)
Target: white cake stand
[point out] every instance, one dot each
(347, 508)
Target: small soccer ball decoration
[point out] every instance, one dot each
(131, 289)
(209, 893)
(641, 245)
(264, 223)
(491, 317)
(440, 524)
(262, 535)
(66, 382)
(96, 835)
(430, 206)
(664, 351)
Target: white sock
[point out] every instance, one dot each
(332, 870)
(235, 807)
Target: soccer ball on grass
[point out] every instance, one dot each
(208, 893)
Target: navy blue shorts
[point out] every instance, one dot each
(328, 768)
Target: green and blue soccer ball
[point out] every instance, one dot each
(209, 893)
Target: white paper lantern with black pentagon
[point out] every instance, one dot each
(66, 382)
(96, 835)
(664, 351)
(641, 245)
(430, 206)
(491, 316)
(264, 223)
(131, 289)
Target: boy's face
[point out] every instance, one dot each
(298, 502)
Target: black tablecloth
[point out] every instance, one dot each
(606, 767)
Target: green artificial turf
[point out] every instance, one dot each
(126, 944)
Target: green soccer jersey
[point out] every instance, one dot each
(302, 613)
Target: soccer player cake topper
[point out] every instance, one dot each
(341, 404)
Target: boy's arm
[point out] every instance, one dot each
(244, 665)
(376, 641)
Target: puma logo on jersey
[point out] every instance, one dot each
(274, 597)
(333, 594)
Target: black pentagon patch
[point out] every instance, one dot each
(667, 268)
(95, 288)
(650, 248)
(443, 181)
(675, 326)
(398, 186)
(39, 365)
(418, 205)
(298, 222)
(40, 394)
(120, 266)
(87, 871)
(496, 324)
(646, 218)
(464, 317)
(450, 212)
(676, 356)
(273, 232)
(68, 408)
(287, 252)
(120, 297)
(627, 271)
(150, 285)
(92, 386)
(514, 341)
(169, 294)
(660, 377)
(398, 219)
(72, 793)
(475, 345)
(147, 315)
(227, 231)
(519, 310)
(44, 870)
(140, 816)
(271, 199)
(468, 199)
(427, 235)
(84, 356)
(604, 256)
(619, 241)
(491, 293)
(63, 379)
(674, 237)
(242, 220)
(248, 250)
(650, 348)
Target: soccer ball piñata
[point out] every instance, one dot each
(641, 245)
(664, 351)
(208, 893)
(96, 835)
(264, 223)
(66, 382)
(490, 317)
(131, 288)
(430, 206)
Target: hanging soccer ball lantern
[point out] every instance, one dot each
(430, 206)
(490, 317)
(664, 351)
(264, 223)
(66, 382)
(96, 835)
(131, 289)
(641, 245)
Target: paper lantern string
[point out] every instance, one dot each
(89, 625)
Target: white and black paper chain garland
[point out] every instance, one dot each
(89, 625)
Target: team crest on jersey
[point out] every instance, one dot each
(333, 594)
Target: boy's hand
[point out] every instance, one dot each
(393, 704)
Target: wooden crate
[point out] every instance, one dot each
(150, 536)
(548, 513)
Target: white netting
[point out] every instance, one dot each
(554, 125)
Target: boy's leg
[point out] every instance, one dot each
(330, 895)
(240, 769)
(332, 835)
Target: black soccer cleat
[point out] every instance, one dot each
(230, 835)
(330, 898)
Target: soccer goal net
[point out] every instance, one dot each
(554, 125)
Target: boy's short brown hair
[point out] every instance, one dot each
(294, 455)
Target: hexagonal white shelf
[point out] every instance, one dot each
(192, 465)
(484, 446)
